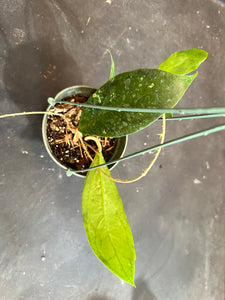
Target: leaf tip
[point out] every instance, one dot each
(51, 101)
(112, 71)
(202, 52)
(133, 284)
(128, 280)
(195, 75)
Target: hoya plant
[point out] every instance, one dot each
(122, 106)
(126, 104)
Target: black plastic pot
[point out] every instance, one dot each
(86, 91)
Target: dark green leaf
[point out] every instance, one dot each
(169, 116)
(184, 62)
(143, 88)
(106, 224)
(113, 71)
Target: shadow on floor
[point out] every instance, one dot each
(98, 297)
(38, 68)
(142, 292)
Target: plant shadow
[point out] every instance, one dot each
(39, 67)
(98, 297)
(142, 291)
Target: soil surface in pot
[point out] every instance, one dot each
(63, 137)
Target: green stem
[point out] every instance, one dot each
(182, 111)
(172, 119)
(29, 113)
(193, 117)
(169, 143)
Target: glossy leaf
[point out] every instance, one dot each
(184, 62)
(143, 88)
(112, 71)
(106, 224)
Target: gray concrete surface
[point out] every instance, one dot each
(176, 213)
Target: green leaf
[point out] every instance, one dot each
(113, 71)
(184, 62)
(106, 224)
(143, 88)
(169, 116)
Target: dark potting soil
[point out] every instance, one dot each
(62, 134)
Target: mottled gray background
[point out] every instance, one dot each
(176, 213)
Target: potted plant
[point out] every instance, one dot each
(125, 104)
(62, 139)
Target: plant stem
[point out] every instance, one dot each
(169, 143)
(29, 113)
(169, 119)
(157, 152)
(182, 111)
(194, 117)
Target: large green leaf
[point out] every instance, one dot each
(142, 88)
(184, 62)
(106, 224)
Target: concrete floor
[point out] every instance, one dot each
(176, 213)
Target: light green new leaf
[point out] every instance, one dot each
(113, 71)
(184, 62)
(143, 88)
(106, 224)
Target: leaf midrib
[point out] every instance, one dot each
(107, 229)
